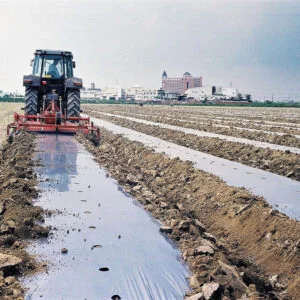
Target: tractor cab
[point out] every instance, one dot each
(52, 76)
(53, 64)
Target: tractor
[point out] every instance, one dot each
(52, 71)
(52, 98)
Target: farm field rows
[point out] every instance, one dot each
(284, 162)
(233, 238)
(257, 123)
(291, 138)
(221, 222)
(274, 115)
(239, 128)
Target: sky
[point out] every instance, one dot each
(252, 45)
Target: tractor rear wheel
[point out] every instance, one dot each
(31, 101)
(73, 103)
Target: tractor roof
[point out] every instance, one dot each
(53, 52)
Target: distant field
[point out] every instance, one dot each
(6, 115)
(251, 136)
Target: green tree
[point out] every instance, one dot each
(239, 96)
(248, 97)
(161, 94)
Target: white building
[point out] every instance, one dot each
(90, 93)
(112, 93)
(209, 92)
(131, 92)
(199, 93)
(146, 95)
(228, 92)
(139, 93)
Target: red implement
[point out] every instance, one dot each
(52, 121)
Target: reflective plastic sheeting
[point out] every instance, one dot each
(114, 247)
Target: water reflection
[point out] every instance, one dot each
(114, 246)
(60, 153)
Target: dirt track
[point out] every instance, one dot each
(17, 214)
(226, 235)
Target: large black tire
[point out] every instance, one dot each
(31, 101)
(73, 103)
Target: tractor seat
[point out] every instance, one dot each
(53, 74)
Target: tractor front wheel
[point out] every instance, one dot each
(73, 103)
(31, 101)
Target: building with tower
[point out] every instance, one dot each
(90, 93)
(178, 85)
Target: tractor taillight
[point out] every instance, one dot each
(44, 82)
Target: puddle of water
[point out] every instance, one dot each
(117, 249)
(278, 190)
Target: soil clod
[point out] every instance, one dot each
(96, 246)
(64, 250)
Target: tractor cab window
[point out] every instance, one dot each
(69, 67)
(37, 65)
(53, 66)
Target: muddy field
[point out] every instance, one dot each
(235, 243)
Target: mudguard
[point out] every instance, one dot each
(31, 80)
(73, 83)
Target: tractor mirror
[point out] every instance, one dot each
(74, 64)
(31, 63)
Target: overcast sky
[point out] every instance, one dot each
(253, 44)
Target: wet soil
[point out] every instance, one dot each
(278, 162)
(19, 219)
(234, 242)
